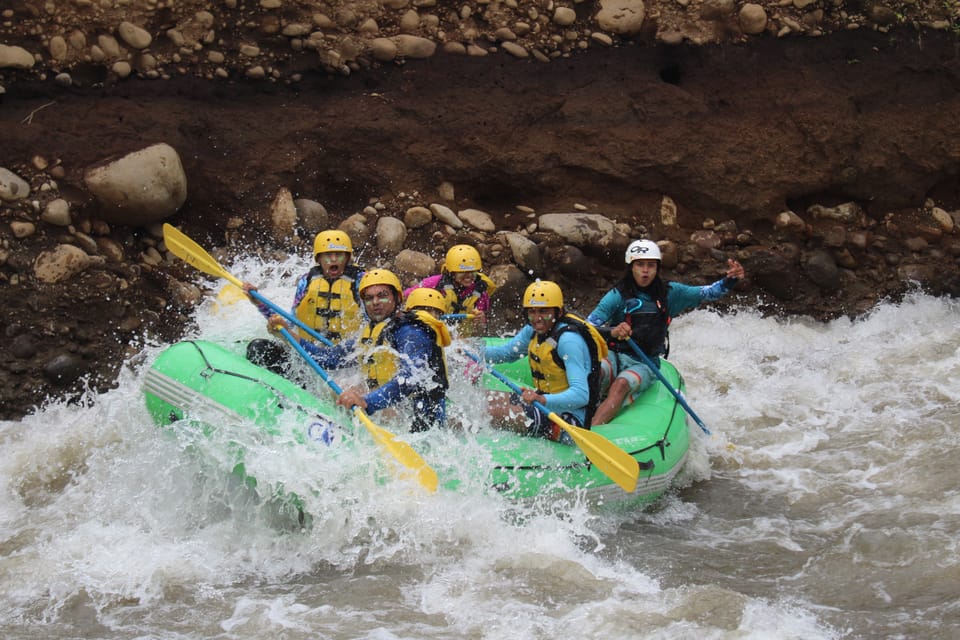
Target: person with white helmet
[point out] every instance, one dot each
(641, 307)
(326, 299)
(564, 353)
(464, 286)
(402, 354)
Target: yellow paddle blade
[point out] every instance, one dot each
(228, 296)
(401, 451)
(617, 464)
(193, 254)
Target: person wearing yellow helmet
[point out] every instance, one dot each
(326, 299)
(417, 337)
(641, 306)
(465, 288)
(564, 353)
(382, 297)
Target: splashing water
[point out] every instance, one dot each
(825, 505)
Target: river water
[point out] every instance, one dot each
(824, 505)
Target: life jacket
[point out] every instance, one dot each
(436, 358)
(378, 358)
(467, 304)
(649, 321)
(548, 368)
(331, 307)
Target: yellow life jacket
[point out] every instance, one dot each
(548, 369)
(331, 308)
(447, 287)
(378, 359)
(378, 348)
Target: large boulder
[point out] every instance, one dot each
(141, 188)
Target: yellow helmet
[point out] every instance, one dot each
(381, 276)
(543, 294)
(331, 240)
(461, 258)
(424, 297)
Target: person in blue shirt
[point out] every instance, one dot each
(641, 306)
(564, 356)
(402, 355)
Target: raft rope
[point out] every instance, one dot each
(277, 394)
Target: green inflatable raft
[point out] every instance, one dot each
(197, 386)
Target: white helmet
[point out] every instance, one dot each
(642, 250)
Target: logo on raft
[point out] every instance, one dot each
(322, 430)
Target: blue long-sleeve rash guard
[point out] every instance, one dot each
(576, 358)
(680, 297)
(416, 344)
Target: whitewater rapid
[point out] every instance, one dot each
(824, 505)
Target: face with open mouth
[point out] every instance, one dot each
(333, 263)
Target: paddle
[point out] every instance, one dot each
(193, 254)
(676, 394)
(457, 316)
(401, 451)
(614, 462)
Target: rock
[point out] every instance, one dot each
(525, 253)
(446, 191)
(847, 213)
(134, 36)
(414, 46)
(564, 16)
(477, 219)
(668, 212)
(140, 188)
(356, 227)
(753, 19)
(313, 216)
(446, 215)
(22, 229)
(283, 216)
(23, 347)
(790, 221)
(57, 212)
(62, 263)
(414, 265)
(822, 269)
(110, 249)
(582, 229)
(943, 219)
(391, 234)
(12, 186)
(622, 17)
(774, 272)
(416, 217)
(63, 368)
(15, 57)
(572, 263)
(383, 49)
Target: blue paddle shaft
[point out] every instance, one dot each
(313, 363)
(289, 317)
(507, 381)
(676, 394)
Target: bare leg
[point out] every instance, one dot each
(611, 404)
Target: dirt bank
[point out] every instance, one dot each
(734, 135)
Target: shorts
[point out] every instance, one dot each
(622, 365)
